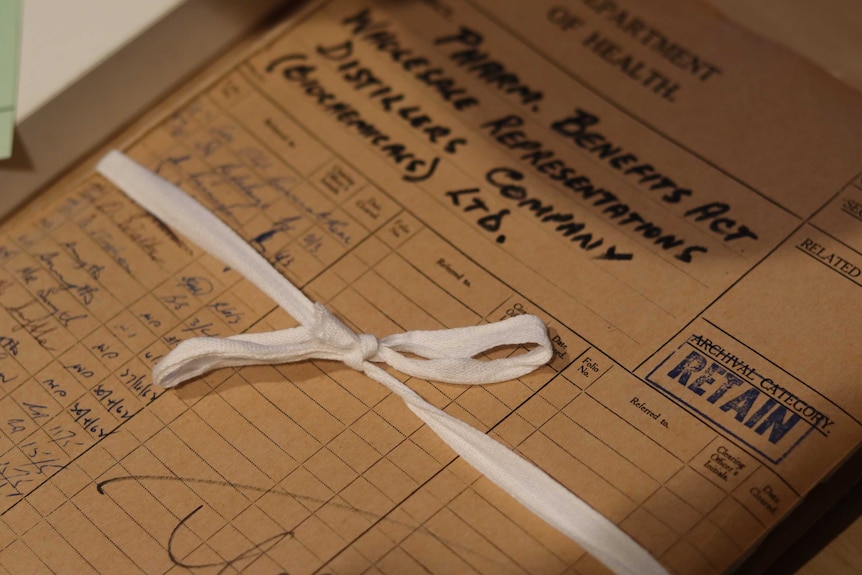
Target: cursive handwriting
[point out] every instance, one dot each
(86, 292)
(335, 226)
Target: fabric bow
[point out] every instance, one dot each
(449, 352)
(449, 357)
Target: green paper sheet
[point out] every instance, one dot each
(10, 42)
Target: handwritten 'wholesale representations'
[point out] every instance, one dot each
(680, 203)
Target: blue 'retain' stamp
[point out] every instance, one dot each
(731, 392)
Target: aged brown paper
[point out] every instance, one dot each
(679, 201)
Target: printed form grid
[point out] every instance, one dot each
(748, 534)
(420, 491)
(175, 302)
(324, 282)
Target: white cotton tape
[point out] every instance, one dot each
(449, 356)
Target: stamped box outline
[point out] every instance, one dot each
(666, 392)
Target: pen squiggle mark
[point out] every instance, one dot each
(259, 549)
(253, 552)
